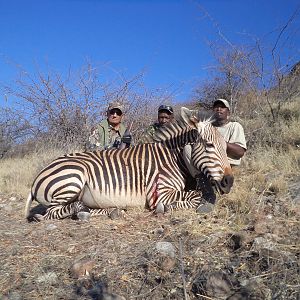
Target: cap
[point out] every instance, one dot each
(167, 108)
(225, 102)
(115, 104)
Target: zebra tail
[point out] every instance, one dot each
(28, 204)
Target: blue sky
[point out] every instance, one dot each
(167, 39)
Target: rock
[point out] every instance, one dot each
(168, 264)
(110, 296)
(235, 241)
(13, 296)
(215, 285)
(51, 227)
(242, 294)
(205, 208)
(49, 278)
(263, 243)
(116, 214)
(166, 248)
(8, 208)
(160, 208)
(256, 290)
(83, 216)
(82, 268)
(71, 249)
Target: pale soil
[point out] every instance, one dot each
(257, 255)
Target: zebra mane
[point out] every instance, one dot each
(182, 130)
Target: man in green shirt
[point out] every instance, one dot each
(111, 132)
(165, 114)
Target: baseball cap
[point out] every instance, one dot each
(115, 104)
(167, 108)
(225, 102)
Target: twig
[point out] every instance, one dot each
(186, 297)
(205, 297)
(146, 294)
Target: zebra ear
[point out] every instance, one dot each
(190, 117)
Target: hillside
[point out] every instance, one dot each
(248, 247)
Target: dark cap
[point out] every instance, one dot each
(168, 108)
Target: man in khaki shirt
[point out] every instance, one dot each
(232, 132)
(111, 132)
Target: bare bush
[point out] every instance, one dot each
(60, 110)
(259, 73)
(13, 129)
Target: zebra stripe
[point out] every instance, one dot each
(148, 175)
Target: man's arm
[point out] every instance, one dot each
(235, 151)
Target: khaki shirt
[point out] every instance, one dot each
(104, 136)
(233, 132)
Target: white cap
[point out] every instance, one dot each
(225, 102)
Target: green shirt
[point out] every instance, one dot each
(148, 134)
(104, 136)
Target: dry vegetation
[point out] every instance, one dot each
(247, 248)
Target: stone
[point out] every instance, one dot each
(51, 227)
(168, 264)
(166, 248)
(49, 278)
(110, 296)
(83, 216)
(82, 268)
(205, 208)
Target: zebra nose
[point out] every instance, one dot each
(226, 183)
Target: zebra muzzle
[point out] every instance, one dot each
(226, 183)
(224, 186)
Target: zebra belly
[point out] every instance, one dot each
(94, 198)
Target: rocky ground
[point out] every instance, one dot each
(220, 255)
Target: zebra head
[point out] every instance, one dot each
(208, 150)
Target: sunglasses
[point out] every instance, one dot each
(115, 111)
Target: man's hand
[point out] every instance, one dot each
(126, 139)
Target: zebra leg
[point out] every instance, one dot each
(113, 213)
(205, 187)
(62, 210)
(183, 200)
(201, 205)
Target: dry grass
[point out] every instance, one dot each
(36, 257)
(251, 239)
(17, 174)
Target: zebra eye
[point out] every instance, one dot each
(210, 144)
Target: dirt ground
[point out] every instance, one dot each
(184, 255)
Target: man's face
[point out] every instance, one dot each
(221, 112)
(114, 116)
(164, 117)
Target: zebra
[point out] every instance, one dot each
(152, 175)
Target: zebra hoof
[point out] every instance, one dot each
(205, 208)
(115, 214)
(38, 217)
(160, 208)
(83, 216)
